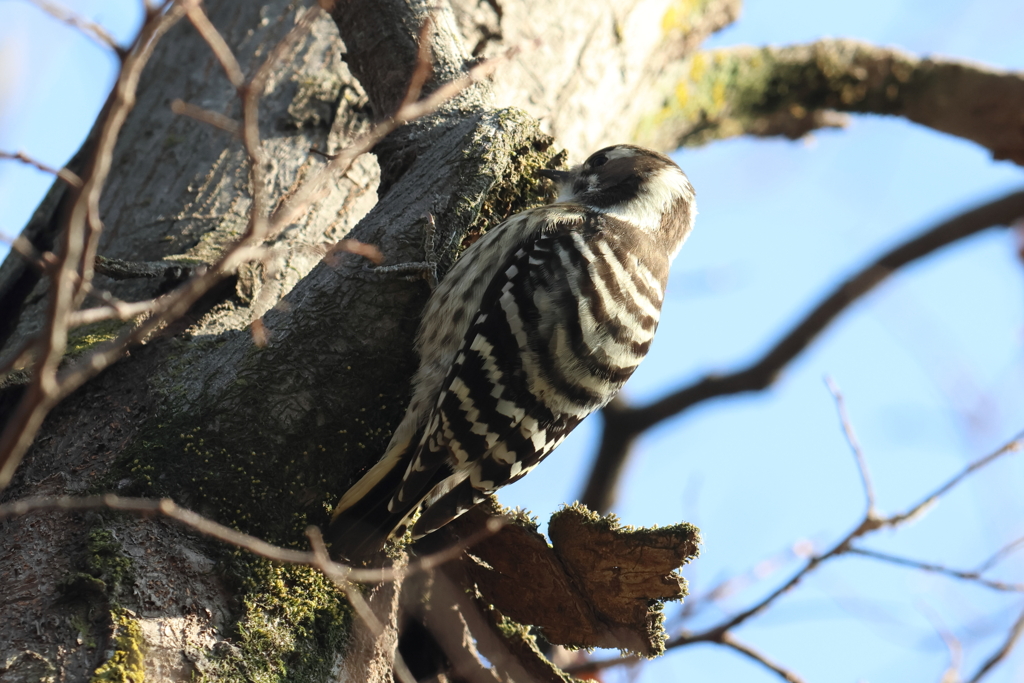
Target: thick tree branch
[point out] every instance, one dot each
(792, 90)
(623, 423)
(382, 42)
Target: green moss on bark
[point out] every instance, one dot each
(127, 663)
(292, 623)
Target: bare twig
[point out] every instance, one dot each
(88, 28)
(123, 311)
(851, 438)
(64, 174)
(424, 66)
(999, 655)
(938, 569)
(259, 228)
(339, 578)
(623, 423)
(730, 641)
(211, 118)
(313, 191)
(1012, 447)
(213, 38)
(168, 508)
(1000, 555)
(868, 524)
(77, 254)
(734, 584)
(164, 507)
(952, 643)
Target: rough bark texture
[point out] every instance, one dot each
(597, 585)
(266, 437)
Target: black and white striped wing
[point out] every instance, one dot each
(560, 329)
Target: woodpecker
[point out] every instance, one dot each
(538, 324)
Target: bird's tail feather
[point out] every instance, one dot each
(453, 503)
(362, 522)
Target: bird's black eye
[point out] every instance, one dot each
(598, 160)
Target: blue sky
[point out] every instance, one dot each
(931, 364)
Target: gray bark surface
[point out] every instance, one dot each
(286, 427)
(264, 437)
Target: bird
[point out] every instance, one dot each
(538, 324)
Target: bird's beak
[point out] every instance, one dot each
(560, 177)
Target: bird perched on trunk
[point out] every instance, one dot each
(537, 325)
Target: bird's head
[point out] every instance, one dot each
(633, 184)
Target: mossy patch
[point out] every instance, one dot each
(290, 617)
(722, 93)
(87, 337)
(106, 561)
(94, 595)
(127, 664)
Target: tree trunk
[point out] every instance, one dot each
(265, 438)
(265, 433)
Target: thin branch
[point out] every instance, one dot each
(623, 423)
(212, 118)
(734, 584)
(76, 254)
(999, 655)
(851, 438)
(260, 228)
(952, 643)
(424, 65)
(168, 508)
(164, 507)
(323, 562)
(867, 525)
(1000, 555)
(722, 633)
(729, 640)
(116, 310)
(69, 177)
(216, 42)
(1012, 447)
(88, 28)
(974, 577)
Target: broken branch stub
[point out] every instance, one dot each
(598, 585)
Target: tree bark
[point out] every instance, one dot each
(266, 438)
(265, 434)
